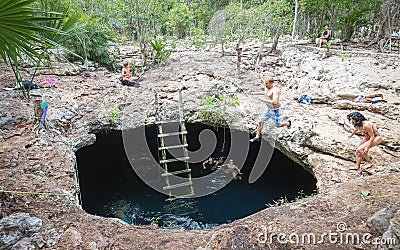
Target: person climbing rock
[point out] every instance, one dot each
(372, 138)
(273, 109)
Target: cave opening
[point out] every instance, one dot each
(110, 187)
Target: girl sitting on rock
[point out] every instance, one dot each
(127, 75)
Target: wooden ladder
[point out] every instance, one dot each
(181, 163)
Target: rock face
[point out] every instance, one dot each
(387, 223)
(16, 229)
(82, 105)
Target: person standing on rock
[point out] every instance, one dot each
(372, 137)
(273, 109)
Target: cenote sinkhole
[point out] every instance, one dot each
(111, 188)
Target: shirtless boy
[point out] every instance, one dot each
(273, 110)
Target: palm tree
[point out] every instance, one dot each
(21, 31)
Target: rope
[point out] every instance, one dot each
(248, 95)
(36, 193)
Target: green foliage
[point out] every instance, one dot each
(242, 23)
(365, 193)
(22, 30)
(204, 10)
(93, 42)
(19, 30)
(65, 26)
(329, 45)
(279, 14)
(351, 20)
(321, 71)
(154, 221)
(113, 115)
(312, 35)
(334, 150)
(161, 54)
(346, 15)
(343, 58)
(179, 20)
(214, 108)
(93, 123)
(279, 202)
(302, 197)
(197, 38)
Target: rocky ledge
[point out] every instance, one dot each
(41, 164)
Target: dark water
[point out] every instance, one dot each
(110, 187)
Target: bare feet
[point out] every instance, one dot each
(354, 168)
(368, 165)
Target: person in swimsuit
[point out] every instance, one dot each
(210, 164)
(127, 74)
(372, 137)
(324, 38)
(231, 167)
(273, 110)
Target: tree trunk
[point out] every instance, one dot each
(261, 47)
(239, 56)
(296, 12)
(322, 17)
(275, 41)
(348, 33)
(384, 27)
(143, 52)
(37, 110)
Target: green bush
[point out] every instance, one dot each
(214, 108)
(179, 19)
(329, 45)
(161, 54)
(93, 43)
(312, 36)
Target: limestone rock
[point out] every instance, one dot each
(84, 141)
(396, 87)
(387, 222)
(71, 239)
(15, 227)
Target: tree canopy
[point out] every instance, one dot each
(86, 28)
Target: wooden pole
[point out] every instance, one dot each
(37, 110)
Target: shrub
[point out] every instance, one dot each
(93, 43)
(214, 108)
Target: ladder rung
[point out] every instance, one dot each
(176, 172)
(173, 133)
(175, 159)
(175, 146)
(169, 121)
(179, 197)
(183, 184)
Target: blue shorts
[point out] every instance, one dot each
(275, 114)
